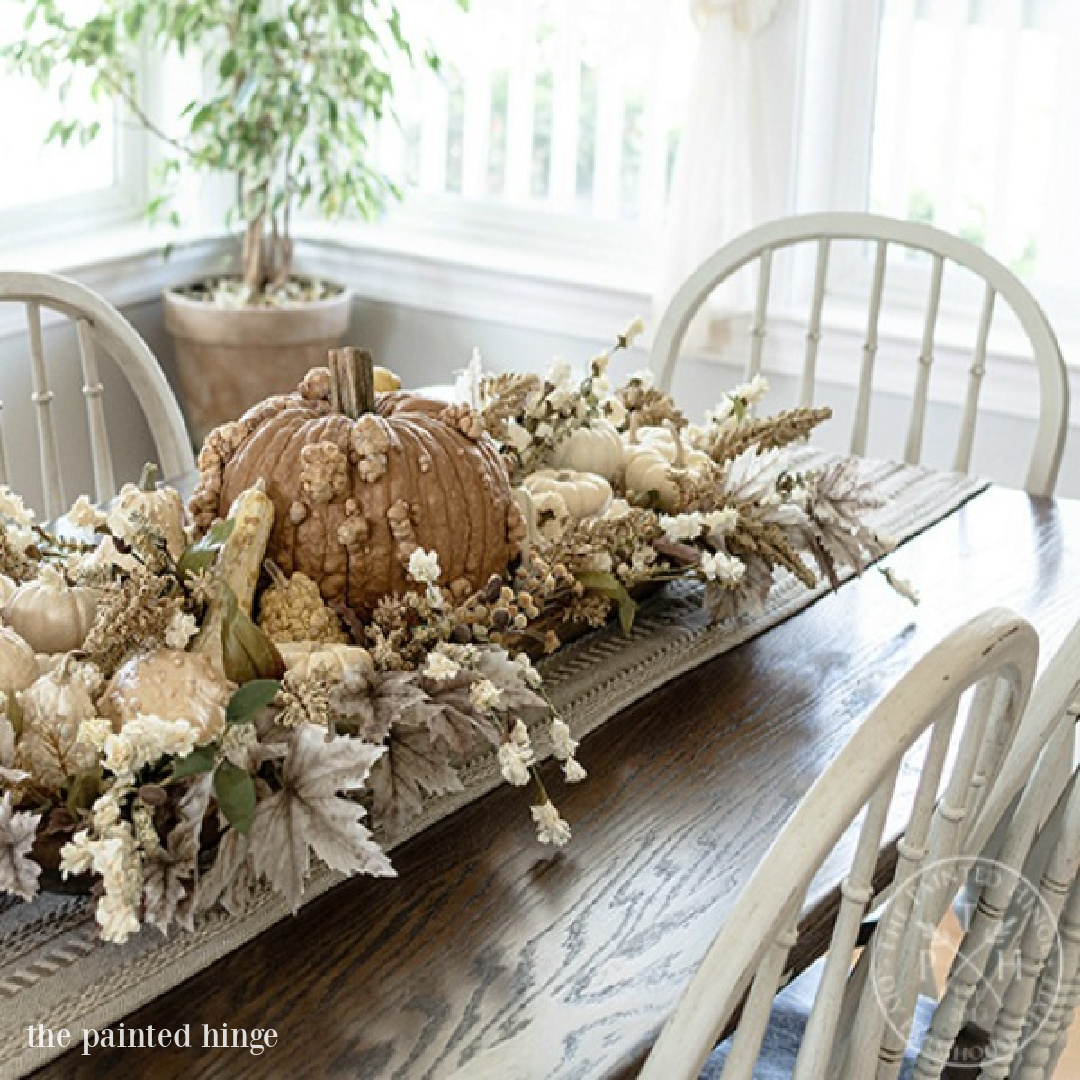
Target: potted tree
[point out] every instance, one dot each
(293, 89)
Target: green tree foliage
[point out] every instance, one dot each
(295, 89)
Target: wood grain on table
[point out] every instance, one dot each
(493, 953)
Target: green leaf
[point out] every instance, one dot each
(198, 761)
(235, 791)
(229, 65)
(607, 584)
(251, 699)
(203, 553)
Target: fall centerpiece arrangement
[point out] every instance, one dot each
(202, 700)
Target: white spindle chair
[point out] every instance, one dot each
(848, 1032)
(823, 231)
(98, 326)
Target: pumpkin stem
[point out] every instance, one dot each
(352, 381)
(151, 474)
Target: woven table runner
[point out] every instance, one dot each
(55, 971)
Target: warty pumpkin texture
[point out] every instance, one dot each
(359, 480)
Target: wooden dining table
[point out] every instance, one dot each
(494, 955)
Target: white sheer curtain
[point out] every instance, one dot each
(734, 160)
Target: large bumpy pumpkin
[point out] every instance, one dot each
(359, 480)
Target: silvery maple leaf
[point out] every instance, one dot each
(231, 879)
(18, 873)
(309, 815)
(411, 769)
(747, 597)
(837, 508)
(454, 719)
(371, 712)
(170, 875)
(516, 694)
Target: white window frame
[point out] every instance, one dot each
(120, 204)
(834, 125)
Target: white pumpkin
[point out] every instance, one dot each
(173, 685)
(18, 664)
(651, 460)
(347, 663)
(54, 706)
(597, 448)
(7, 588)
(52, 616)
(163, 508)
(585, 494)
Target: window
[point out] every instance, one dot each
(556, 119)
(977, 128)
(49, 188)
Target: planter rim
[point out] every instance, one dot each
(297, 322)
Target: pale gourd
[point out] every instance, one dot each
(173, 685)
(52, 616)
(597, 448)
(238, 566)
(312, 659)
(161, 508)
(651, 460)
(18, 664)
(7, 588)
(385, 380)
(585, 494)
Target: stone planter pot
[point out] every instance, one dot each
(230, 358)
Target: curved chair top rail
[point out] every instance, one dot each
(97, 323)
(823, 228)
(760, 929)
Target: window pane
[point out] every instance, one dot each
(977, 128)
(564, 105)
(33, 173)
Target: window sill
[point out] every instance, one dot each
(530, 290)
(127, 265)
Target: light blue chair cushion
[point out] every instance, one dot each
(791, 1012)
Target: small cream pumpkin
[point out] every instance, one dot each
(54, 706)
(597, 448)
(171, 684)
(18, 664)
(585, 494)
(652, 458)
(7, 588)
(52, 616)
(347, 663)
(163, 508)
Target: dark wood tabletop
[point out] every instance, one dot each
(492, 951)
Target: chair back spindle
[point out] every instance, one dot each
(913, 448)
(813, 333)
(42, 396)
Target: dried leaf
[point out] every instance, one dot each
(412, 768)
(170, 876)
(308, 815)
(18, 872)
(230, 879)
